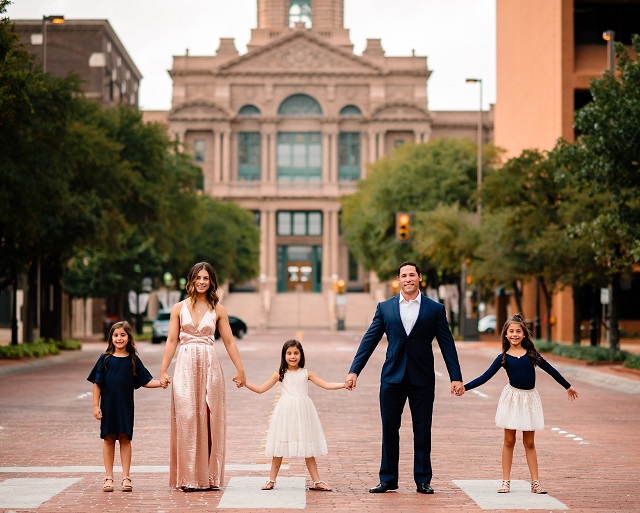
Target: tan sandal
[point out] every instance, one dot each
(506, 486)
(320, 486)
(269, 485)
(126, 487)
(536, 487)
(107, 487)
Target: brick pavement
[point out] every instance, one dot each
(45, 420)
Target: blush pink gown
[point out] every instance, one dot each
(198, 408)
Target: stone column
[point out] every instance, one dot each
(273, 160)
(217, 150)
(226, 156)
(380, 144)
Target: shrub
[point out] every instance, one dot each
(584, 353)
(633, 361)
(36, 349)
(544, 346)
(69, 344)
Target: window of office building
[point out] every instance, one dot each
(300, 105)
(349, 156)
(299, 157)
(350, 111)
(199, 150)
(299, 223)
(248, 156)
(249, 111)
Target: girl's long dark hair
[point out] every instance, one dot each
(131, 345)
(212, 291)
(283, 360)
(527, 343)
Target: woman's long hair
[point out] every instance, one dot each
(212, 292)
(283, 357)
(527, 343)
(131, 345)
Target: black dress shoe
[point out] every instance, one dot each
(383, 487)
(424, 488)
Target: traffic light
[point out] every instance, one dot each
(403, 226)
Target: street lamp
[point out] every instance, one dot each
(469, 324)
(479, 175)
(609, 36)
(56, 19)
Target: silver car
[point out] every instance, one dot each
(160, 327)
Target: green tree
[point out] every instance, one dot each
(522, 207)
(228, 239)
(415, 178)
(605, 158)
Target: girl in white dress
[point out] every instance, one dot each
(295, 429)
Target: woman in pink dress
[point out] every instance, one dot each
(198, 408)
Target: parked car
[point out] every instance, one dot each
(238, 327)
(160, 327)
(487, 324)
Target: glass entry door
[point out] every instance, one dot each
(299, 276)
(299, 268)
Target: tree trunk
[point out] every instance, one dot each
(14, 310)
(549, 302)
(518, 296)
(594, 325)
(614, 312)
(577, 315)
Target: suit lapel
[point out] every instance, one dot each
(422, 314)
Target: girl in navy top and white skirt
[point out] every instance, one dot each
(519, 407)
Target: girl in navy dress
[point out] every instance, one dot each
(519, 407)
(115, 375)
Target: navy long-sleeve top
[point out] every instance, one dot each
(521, 372)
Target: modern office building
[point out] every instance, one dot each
(547, 53)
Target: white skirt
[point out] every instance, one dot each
(520, 410)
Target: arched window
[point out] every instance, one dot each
(249, 110)
(300, 105)
(300, 10)
(350, 111)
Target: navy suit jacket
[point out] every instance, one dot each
(409, 354)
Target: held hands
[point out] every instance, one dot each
(240, 379)
(165, 380)
(350, 381)
(457, 388)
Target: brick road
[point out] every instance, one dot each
(46, 421)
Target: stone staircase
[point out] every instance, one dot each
(247, 306)
(300, 310)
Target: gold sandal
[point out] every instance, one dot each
(126, 487)
(506, 486)
(269, 485)
(320, 486)
(107, 487)
(536, 487)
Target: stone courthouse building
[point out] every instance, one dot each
(288, 127)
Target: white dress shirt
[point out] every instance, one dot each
(409, 311)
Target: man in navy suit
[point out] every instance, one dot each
(411, 321)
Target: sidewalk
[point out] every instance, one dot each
(49, 438)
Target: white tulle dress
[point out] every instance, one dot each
(295, 429)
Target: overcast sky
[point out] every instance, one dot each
(457, 37)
